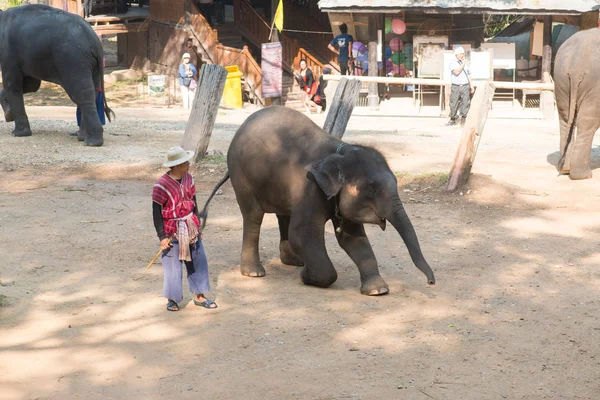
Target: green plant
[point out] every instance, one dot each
(215, 159)
(14, 3)
(495, 24)
(3, 300)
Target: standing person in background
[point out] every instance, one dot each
(307, 82)
(187, 71)
(343, 42)
(461, 88)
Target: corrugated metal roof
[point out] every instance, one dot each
(508, 6)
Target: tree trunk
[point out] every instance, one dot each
(211, 83)
(340, 108)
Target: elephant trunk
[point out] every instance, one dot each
(398, 218)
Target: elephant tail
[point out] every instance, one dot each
(204, 213)
(107, 111)
(573, 89)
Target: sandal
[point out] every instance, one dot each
(206, 304)
(172, 306)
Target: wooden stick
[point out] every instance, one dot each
(156, 256)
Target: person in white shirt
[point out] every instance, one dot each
(462, 87)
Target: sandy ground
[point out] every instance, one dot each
(514, 314)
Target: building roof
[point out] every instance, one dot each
(533, 7)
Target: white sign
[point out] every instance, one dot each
(157, 84)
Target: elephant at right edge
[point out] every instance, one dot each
(577, 91)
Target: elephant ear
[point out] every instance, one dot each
(327, 174)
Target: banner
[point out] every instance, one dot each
(272, 72)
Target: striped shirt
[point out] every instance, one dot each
(176, 199)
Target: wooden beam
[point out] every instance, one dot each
(211, 83)
(373, 96)
(120, 28)
(546, 98)
(439, 82)
(471, 135)
(448, 11)
(341, 107)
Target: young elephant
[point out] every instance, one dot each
(280, 162)
(41, 43)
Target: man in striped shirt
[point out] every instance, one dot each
(174, 212)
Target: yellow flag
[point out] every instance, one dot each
(279, 16)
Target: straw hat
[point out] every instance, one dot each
(177, 155)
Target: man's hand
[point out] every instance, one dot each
(472, 90)
(165, 244)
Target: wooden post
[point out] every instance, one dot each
(373, 97)
(472, 131)
(211, 83)
(546, 97)
(341, 107)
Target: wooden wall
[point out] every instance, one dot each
(169, 11)
(589, 20)
(73, 6)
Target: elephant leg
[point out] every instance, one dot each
(253, 214)
(286, 254)
(307, 238)
(355, 243)
(6, 107)
(13, 92)
(85, 97)
(587, 124)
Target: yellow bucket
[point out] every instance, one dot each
(232, 94)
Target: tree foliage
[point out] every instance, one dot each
(494, 24)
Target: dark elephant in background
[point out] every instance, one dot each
(280, 162)
(577, 90)
(41, 43)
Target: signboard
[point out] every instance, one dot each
(272, 72)
(481, 64)
(157, 84)
(504, 55)
(431, 60)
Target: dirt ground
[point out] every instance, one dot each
(514, 314)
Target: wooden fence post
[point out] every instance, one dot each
(340, 108)
(211, 83)
(469, 141)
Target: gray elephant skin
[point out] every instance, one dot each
(41, 43)
(280, 162)
(577, 90)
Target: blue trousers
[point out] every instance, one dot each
(99, 108)
(197, 271)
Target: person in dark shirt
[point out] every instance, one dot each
(342, 46)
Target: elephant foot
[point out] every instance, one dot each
(254, 270)
(575, 174)
(21, 132)
(374, 287)
(318, 278)
(288, 257)
(96, 142)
